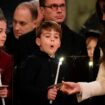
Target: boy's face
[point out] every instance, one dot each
(3, 27)
(49, 41)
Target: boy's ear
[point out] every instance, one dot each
(37, 41)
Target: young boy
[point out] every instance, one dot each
(39, 70)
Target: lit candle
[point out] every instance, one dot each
(58, 68)
(57, 73)
(90, 63)
(3, 100)
(91, 69)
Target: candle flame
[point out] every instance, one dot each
(61, 59)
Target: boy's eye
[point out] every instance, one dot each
(47, 36)
(56, 37)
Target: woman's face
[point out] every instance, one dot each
(3, 28)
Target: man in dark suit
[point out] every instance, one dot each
(20, 41)
(72, 43)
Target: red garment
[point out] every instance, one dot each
(6, 69)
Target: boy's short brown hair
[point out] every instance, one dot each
(48, 25)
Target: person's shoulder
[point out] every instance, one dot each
(66, 30)
(5, 56)
(28, 35)
(32, 59)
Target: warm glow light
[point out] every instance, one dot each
(61, 59)
(90, 63)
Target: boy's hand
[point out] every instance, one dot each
(3, 91)
(52, 93)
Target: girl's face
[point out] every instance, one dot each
(91, 47)
(49, 41)
(3, 28)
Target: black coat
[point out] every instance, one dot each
(37, 73)
(72, 44)
(33, 78)
(22, 47)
